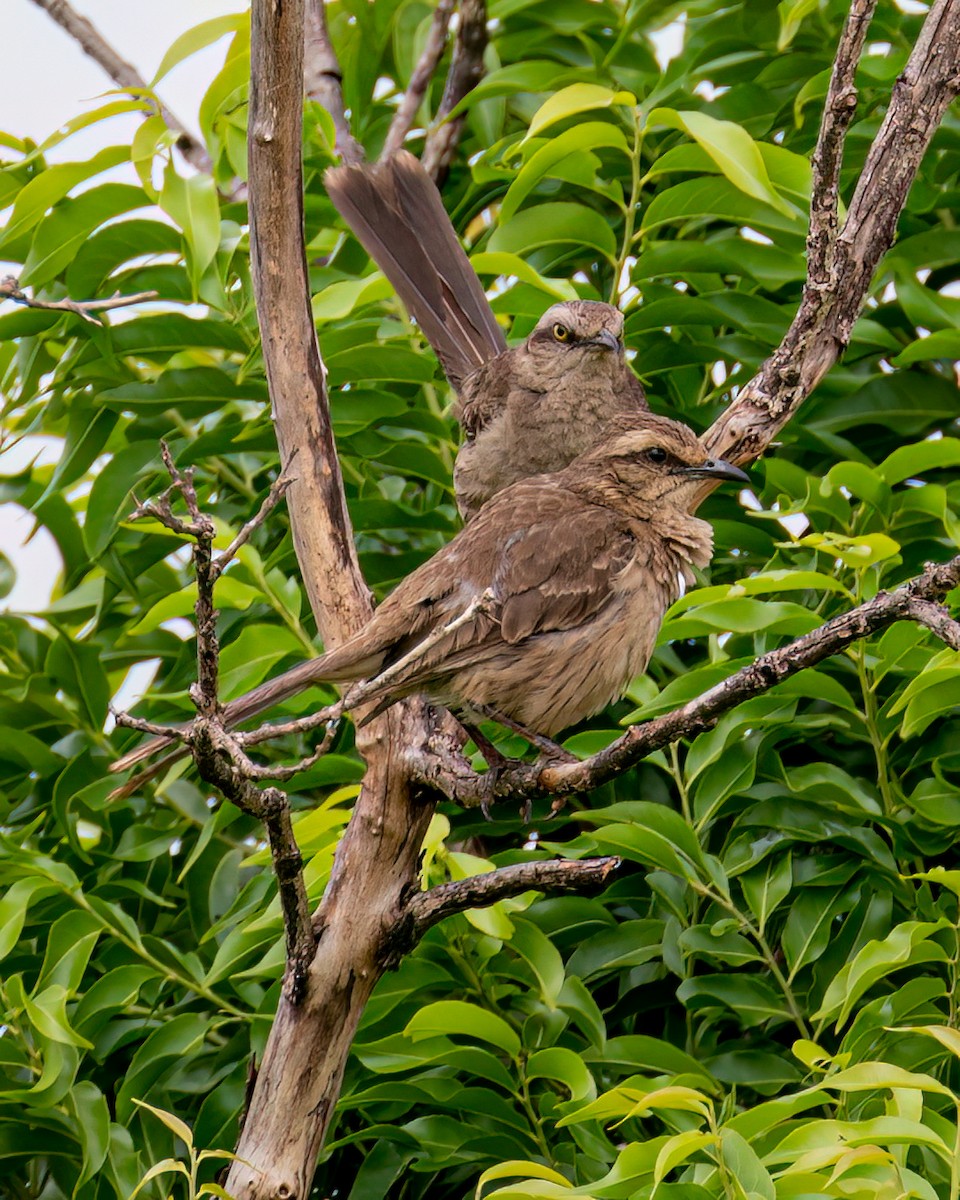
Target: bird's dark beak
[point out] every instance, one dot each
(606, 341)
(716, 468)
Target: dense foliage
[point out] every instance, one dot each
(764, 1004)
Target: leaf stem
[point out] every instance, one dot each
(630, 216)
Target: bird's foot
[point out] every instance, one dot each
(550, 750)
(496, 763)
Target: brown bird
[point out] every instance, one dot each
(542, 609)
(525, 410)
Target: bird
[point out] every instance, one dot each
(523, 410)
(540, 610)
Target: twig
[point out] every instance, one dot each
(171, 733)
(124, 75)
(409, 106)
(10, 290)
(838, 111)
(553, 877)
(222, 764)
(323, 80)
(273, 771)
(278, 489)
(466, 70)
(527, 782)
(266, 733)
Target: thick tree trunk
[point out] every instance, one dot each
(376, 865)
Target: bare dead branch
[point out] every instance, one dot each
(323, 81)
(220, 759)
(553, 877)
(123, 74)
(10, 290)
(221, 764)
(529, 782)
(838, 111)
(409, 106)
(830, 306)
(466, 71)
(377, 857)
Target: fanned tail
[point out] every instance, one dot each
(394, 209)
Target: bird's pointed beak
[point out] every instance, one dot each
(607, 341)
(717, 468)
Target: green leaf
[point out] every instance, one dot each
(197, 38)
(93, 1123)
(680, 1149)
(61, 235)
(731, 148)
(914, 461)
(577, 98)
(555, 223)
(908, 944)
(110, 497)
(792, 14)
(15, 905)
(192, 203)
(587, 135)
(716, 199)
(459, 1017)
(51, 185)
(164, 1049)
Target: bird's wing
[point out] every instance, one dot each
(562, 571)
(395, 211)
(484, 395)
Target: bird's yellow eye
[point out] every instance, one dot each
(561, 333)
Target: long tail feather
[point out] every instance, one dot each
(395, 211)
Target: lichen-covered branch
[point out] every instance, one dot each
(842, 266)
(552, 877)
(220, 759)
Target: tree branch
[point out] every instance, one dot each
(10, 290)
(220, 759)
(838, 110)
(910, 601)
(323, 80)
(466, 70)
(123, 74)
(831, 303)
(553, 877)
(404, 117)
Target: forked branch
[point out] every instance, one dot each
(219, 756)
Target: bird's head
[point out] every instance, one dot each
(645, 463)
(574, 334)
